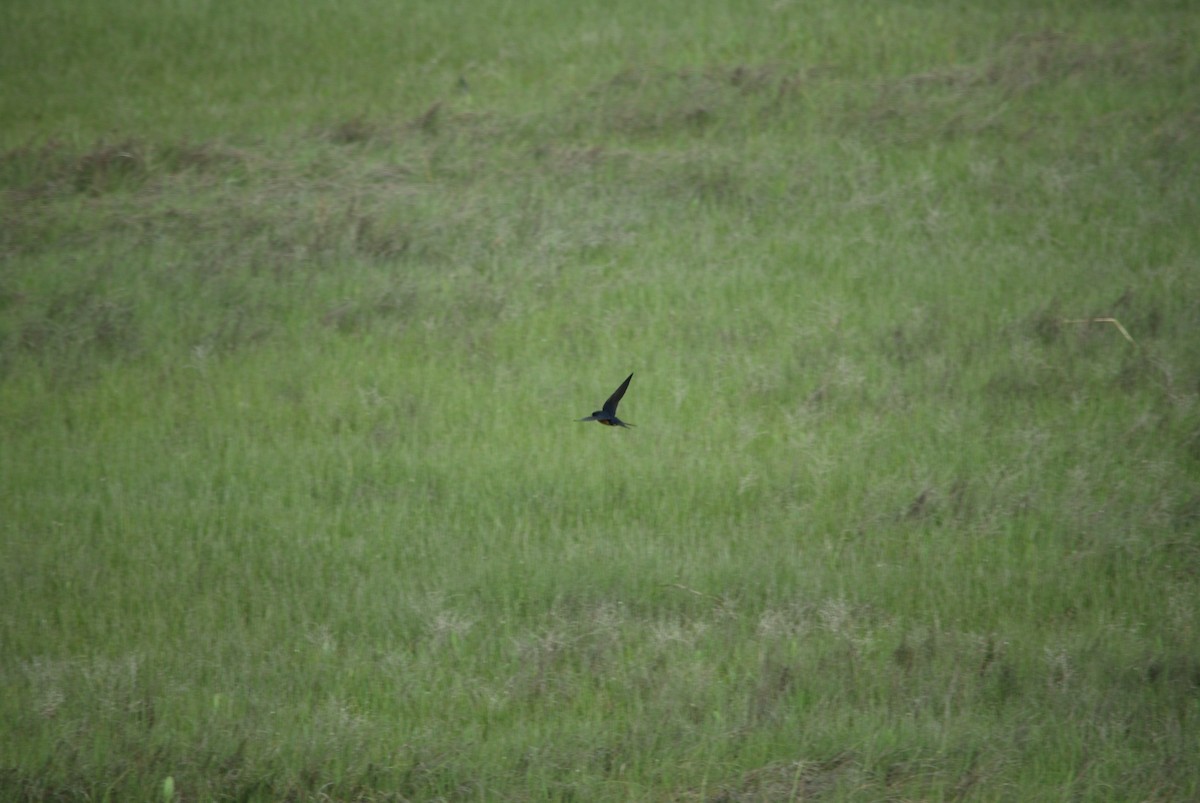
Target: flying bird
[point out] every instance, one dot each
(608, 415)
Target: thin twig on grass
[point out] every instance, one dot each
(718, 599)
(1113, 321)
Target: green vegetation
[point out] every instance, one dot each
(298, 305)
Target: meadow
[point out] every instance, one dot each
(299, 304)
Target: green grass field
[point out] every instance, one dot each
(299, 302)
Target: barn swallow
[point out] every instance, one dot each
(608, 415)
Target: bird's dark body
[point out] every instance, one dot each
(608, 415)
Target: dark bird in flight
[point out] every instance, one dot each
(608, 415)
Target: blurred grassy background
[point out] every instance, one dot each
(297, 307)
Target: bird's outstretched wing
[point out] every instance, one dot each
(610, 406)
